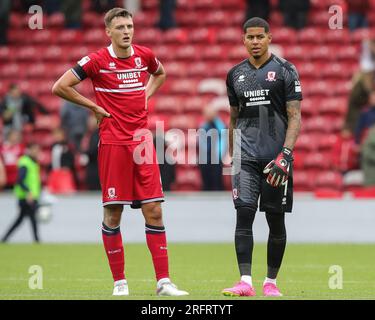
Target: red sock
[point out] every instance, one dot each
(114, 248)
(157, 244)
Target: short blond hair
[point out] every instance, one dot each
(116, 12)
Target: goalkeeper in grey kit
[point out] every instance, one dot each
(264, 93)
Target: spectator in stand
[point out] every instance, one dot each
(92, 175)
(257, 8)
(357, 13)
(52, 6)
(362, 85)
(74, 122)
(17, 109)
(102, 6)
(368, 158)
(366, 120)
(167, 14)
(3, 175)
(295, 12)
(11, 150)
(166, 162)
(367, 60)
(345, 152)
(72, 10)
(212, 145)
(62, 154)
(5, 6)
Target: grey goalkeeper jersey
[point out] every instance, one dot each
(261, 96)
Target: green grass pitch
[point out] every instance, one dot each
(80, 271)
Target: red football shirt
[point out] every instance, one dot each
(120, 88)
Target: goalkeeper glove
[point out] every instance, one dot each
(278, 169)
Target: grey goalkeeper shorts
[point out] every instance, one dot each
(249, 187)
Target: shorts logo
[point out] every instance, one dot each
(112, 193)
(283, 201)
(138, 62)
(271, 76)
(235, 194)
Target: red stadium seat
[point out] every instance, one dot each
(186, 52)
(92, 20)
(77, 53)
(307, 142)
(183, 122)
(5, 54)
(146, 19)
(214, 52)
(147, 36)
(60, 181)
(188, 179)
(200, 69)
(319, 124)
(337, 36)
(11, 70)
(333, 107)
(229, 35)
(284, 35)
(29, 53)
(350, 52)
(176, 69)
(309, 106)
(45, 36)
(165, 52)
(329, 179)
(168, 104)
(195, 105)
(327, 142)
(202, 35)
(175, 36)
(54, 53)
(70, 36)
(47, 122)
(312, 35)
(56, 20)
(184, 87)
(303, 180)
(237, 52)
(96, 37)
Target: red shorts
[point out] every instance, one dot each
(126, 180)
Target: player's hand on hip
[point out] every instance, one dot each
(100, 113)
(278, 170)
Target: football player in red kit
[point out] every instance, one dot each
(124, 76)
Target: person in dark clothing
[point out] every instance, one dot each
(17, 109)
(92, 175)
(72, 10)
(27, 190)
(167, 14)
(62, 154)
(357, 14)
(213, 145)
(5, 6)
(295, 12)
(257, 8)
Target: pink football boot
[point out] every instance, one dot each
(241, 289)
(270, 290)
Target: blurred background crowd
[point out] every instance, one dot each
(198, 42)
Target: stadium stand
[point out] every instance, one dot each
(197, 55)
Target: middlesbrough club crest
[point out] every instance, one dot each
(271, 76)
(112, 193)
(138, 62)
